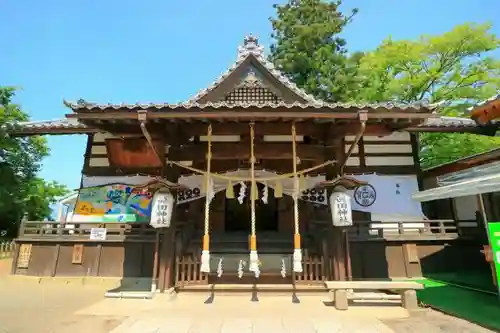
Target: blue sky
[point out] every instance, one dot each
(165, 51)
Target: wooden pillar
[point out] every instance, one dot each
(338, 246)
(167, 242)
(339, 253)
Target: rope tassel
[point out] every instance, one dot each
(297, 260)
(205, 255)
(255, 191)
(254, 263)
(229, 190)
(254, 257)
(278, 190)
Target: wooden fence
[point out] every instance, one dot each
(313, 270)
(187, 271)
(7, 249)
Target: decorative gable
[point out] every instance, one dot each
(252, 89)
(252, 79)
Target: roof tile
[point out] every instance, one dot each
(251, 48)
(84, 105)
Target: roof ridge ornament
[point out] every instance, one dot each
(251, 80)
(250, 46)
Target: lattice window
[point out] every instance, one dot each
(252, 95)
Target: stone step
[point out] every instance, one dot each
(281, 289)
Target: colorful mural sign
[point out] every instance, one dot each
(114, 203)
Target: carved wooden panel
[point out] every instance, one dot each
(251, 95)
(77, 257)
(24, 256)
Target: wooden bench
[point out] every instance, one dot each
(407, 290)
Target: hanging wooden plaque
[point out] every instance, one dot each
(23, 259)
(77, 257)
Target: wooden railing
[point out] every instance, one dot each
(187, 270)
(361, 230)
(81, 231)
(313, 270)
(7, 249)
(405, 230)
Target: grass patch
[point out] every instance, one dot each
(476, 307)
(473, 279)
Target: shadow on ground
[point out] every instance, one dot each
(28, 307)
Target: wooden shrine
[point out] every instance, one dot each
(252, 134)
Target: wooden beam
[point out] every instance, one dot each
(279, 166)
(241, 151)
(275, 128)
(178, 132)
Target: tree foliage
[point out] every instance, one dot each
(453, 69)
(307, 47)
(21, 190)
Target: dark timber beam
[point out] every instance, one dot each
(240, 151)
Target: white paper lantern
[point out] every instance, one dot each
(162, 207)
(340, 205)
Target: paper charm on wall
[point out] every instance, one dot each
(315, 195)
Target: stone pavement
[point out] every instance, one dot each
(272, 314)
(236, 313)
(76, 308)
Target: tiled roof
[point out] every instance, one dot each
(34, 127)
(59, 123)
(251, 48)
(39, 127)
(485, 102)
(84, 105)
(448, 122)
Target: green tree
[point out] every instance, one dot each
(453, 70)
(307, 47)
(21, 190)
